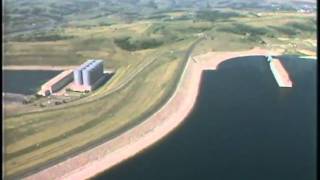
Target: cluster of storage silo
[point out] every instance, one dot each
(88, 73)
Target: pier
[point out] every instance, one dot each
(279, 72)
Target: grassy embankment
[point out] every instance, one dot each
(36, 138)
(292, 32)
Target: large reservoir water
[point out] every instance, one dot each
(243, 126)
(25, 81)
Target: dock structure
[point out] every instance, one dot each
(56, 83)
(279, 72)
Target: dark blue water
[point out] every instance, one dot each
(243, 127)
(25, 81)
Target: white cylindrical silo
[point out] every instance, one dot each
(86, 76)
(95, 74)
(82, 68)
(100, 68)
(77, 75)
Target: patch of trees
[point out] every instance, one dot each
(57, 103)
(157, 28)
(289, 31)
(105, 24)
(184, 17)
(255, 38)
(194, 29)
(243, 29)
(305, 27)
(250, 33)
(101, 15)
(130, 17)
(162, 11)
(215, 15)
(71, 7)
(27, 15)
(40, 36)
(295, 28)
(131, 44)
(157, 16)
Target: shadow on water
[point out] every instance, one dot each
(243, 126)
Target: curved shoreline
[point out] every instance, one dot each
(160, 124)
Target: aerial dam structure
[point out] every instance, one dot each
(279, 72)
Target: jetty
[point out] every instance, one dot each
(279, 72)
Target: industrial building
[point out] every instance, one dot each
(56, 83)
(88, 76)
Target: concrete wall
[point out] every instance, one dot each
(63, 82)
(280, 74)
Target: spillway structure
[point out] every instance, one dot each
(88, 76)
(279, 72)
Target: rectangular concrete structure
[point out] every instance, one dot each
(280, 73)
(57, 83)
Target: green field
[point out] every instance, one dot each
(148, 54)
